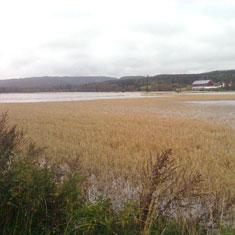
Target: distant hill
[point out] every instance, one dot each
(162, 82)
(37, 84)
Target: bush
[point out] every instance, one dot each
(35, 198)
(26, 199)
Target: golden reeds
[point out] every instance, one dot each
(114, 138)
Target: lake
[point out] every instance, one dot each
(67, 96)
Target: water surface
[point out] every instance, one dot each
(66, 96)
(215, 102)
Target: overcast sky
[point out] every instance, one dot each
(115, 37)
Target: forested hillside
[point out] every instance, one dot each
(163, 82)
(44, 84)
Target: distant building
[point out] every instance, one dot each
(204, 85)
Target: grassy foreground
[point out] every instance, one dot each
(149, 170)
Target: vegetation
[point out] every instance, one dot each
(108, 171)
(163, 82)
(48, 83)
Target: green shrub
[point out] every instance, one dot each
(127, 219)
(96, 218)
(35, 198)
(26, 199)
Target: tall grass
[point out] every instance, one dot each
(37, 197)
(116, 145)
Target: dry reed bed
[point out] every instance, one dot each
(113, 138)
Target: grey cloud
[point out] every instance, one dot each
(144, 45)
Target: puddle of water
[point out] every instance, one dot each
(214, 102)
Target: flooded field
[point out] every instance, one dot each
(114, 135)
(216, 107)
